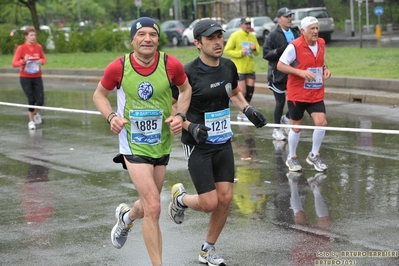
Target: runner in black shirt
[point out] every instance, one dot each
(207, 133)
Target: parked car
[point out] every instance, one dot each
(261, 27)
(188, 35)
(174, 31)
(326, 22)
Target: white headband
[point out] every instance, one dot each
(306, 21)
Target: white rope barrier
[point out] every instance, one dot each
(345, 129)
(52, 108)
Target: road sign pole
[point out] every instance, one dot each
(138, 5)
(360, 22)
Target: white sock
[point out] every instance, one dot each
(207, 245)
(293, 140)
(180, 200)
(317, 139)
(126, 218)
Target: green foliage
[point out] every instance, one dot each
(86, 44)
(121, 41)
(42, 37)
(7, 43)
(66, 42)
(74, 40)
(102, 40)
(163, 40)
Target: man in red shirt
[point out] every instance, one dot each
(29, 57)
(303, 61)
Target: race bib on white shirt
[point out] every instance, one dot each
(146, 126)
(32, 67)
(219, 123)
(318, 82)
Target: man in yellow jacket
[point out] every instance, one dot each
(241, 47)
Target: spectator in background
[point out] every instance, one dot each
(241, 47)
(29, 56)
(273, 48)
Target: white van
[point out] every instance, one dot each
(326, 22)
(49, 43)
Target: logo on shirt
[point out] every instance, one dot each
(216, 84)
(145, 91)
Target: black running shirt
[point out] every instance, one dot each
(212, 88)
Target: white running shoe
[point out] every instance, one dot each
(316, 162)
(210, 257)
(31, 125)
(278, 134)
(37, 118)
(293, 164)
(121, 229)
(175, 209)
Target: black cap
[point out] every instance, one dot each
(285, 11)
(245, 20)
(206, 27)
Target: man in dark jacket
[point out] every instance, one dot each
(273, 47)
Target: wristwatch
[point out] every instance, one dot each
(182, 116)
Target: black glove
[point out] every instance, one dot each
(119, 159)
(199, 132)
(255, 117)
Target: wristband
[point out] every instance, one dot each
(110, 116)
(245, 108)
(182, 116)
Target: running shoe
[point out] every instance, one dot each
(242, 117)
(37, 118)
(121, 229)
(316, 162)
(210, 257)
(286, 121)
(293, 164)
(31, 125)
(176, 210)
(278, 135)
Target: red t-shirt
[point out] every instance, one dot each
(113, 72)
(35, 53)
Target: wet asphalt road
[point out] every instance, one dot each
(59, 189)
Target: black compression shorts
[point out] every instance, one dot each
(210, 165)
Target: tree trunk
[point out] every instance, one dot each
(31, 5)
